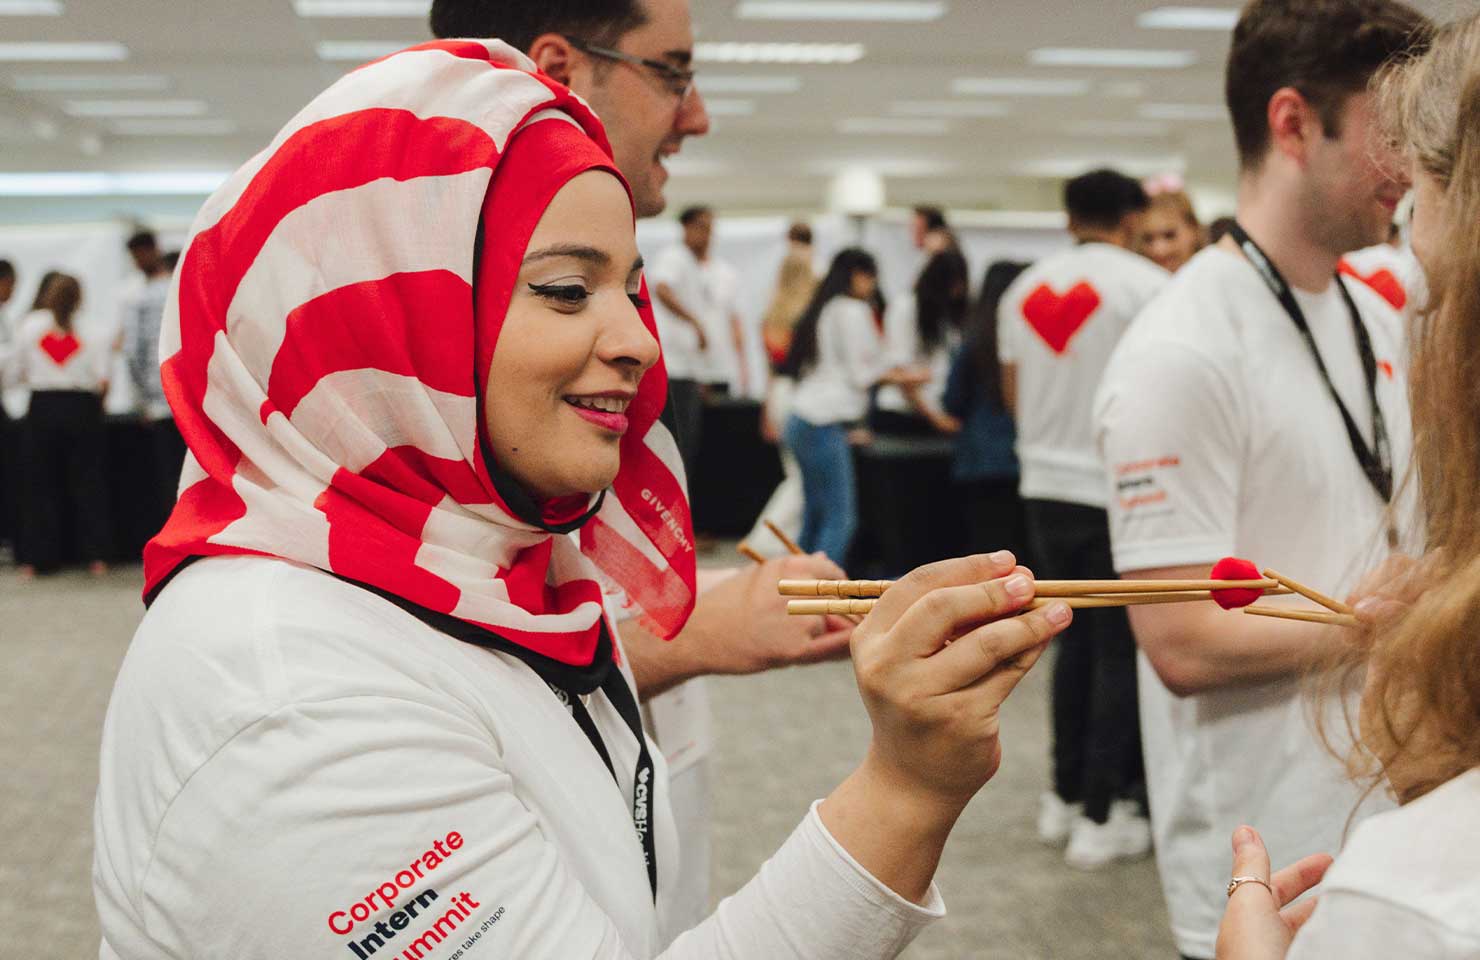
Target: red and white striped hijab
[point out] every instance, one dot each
(328, 339)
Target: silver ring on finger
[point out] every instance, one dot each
(1237, 882)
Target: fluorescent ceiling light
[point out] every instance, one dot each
(950, 108)
(30, 8)
(1018, 87)
(184, 183)
(1108, 57)
(899, 11)
(62, 52)
(1135, 166)
(135, 108)
(1118, 128)
(729, 108)
(1184, 111)
(362, 8)
(1189, 18)
(894, 126)
(778, 53)
(358, 50)
(1124, 89)
(681, 166)
(174, 127)
(88, 83)
(740, 84)
(884, 166)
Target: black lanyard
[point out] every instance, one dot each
(1376, 461)
(643, 786)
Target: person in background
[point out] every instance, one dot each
(1258, 408)
(15, 399)
(837, 357)
(1056, 328)
(62, 442)
(9, 463)
(683, 299)
(1219, 229)
(1388, 268)
(985, 468)
(924, 330)
(1407, 882)
(795, 282)
(1170, 234)
(930, 232)
(143, 313)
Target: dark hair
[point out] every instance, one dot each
(42, 286)
(839, 280)
(1328, 50)
(7, 270)
(799, 233)
(934, 217)
(143, 240)
(690, 214)
(170, 260)
(1219, 229)
(1103, 198)
(521, 22)
(940, 297)
(63, 296)
(982, 339)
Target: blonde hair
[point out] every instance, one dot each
(1178, 202)
(1421, 714)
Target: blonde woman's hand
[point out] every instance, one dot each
(1387, 592)
(1259, 923)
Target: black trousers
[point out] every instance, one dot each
(167, 449)
(12, 482)
(1096, 726)
(688, 421)
(63, 449)
(995, 518)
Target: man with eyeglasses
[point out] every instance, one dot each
(631, 61)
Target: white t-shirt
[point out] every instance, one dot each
(850, 360)
(902, 344)
(1407, 885)
(1057, 324)
(719, 362)
(293, 766)
(1221, 439)
(45, 357)
(1393, 272)
(677, 268)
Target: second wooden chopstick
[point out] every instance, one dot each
(1043, 588)
(857, 605)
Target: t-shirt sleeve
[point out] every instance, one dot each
(1172, 446)
(1351, 924)
(402, 831)
(667, 268)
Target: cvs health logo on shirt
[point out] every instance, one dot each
(1056, 319)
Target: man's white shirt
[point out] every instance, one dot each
(1058, 323)
(1220, 438)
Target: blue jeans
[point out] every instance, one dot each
(830, 510)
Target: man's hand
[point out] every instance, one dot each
(1259, 923)
(741, 626)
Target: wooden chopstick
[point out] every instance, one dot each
(1043, 588)
(1311, 593)
(1309, 616)
(749, 552)
(791, 545)
(860, 605)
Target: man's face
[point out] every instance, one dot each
(7, 289)
(146, 258)
(697, 232)
(645, 120)
(1353, 185)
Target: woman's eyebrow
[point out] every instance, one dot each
(575, 251)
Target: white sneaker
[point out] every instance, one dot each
(1125, 835)
(1056, 818)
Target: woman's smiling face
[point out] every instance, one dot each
(573, 347)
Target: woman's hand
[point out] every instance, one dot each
(1259, 923)
(935, 659)
(1388, 591)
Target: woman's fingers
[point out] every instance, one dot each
(1250, 859)
(1299, 876)
(920, 583)
(1296, 915)
(1010, 646)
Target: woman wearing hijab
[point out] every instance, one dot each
(377, 707)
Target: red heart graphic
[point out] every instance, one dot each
(60, 346)
(1383, 281)
(1386, 368)
(1056, 319)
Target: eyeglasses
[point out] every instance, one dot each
(680, 82)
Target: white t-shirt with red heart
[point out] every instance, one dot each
(1058, 323)
(46, 357)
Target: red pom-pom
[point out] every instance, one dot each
(1234, 568)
